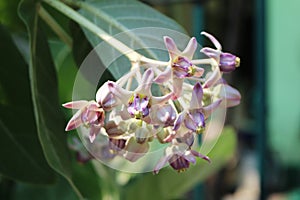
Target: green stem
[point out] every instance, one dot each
(75, 188)
(121, 47)
(66, 10)
(55, 26)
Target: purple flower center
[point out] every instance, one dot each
(138, 106)
(195, 121)
(182, 67)
(179, 163)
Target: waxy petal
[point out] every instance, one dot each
(76, 104)
(119, 92)
(161, 163)
(231, 95)
(197, 95)
(134, 150)
(162, 99)
(177, 87)
(147, 81)
(179, 121)
(94, 131)
(163, 115)
(213, 40)
(195, 153)
(75, 121)
(207, 110)
(198, 71)
(213, 78)
(164, 76)
(172, 48)
(211, 53)
(190, 48)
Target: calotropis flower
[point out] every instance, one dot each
(226, 61)
(138, 102)
(180, 65)
(130, 119)
(194, 117)
(89, 114)
(179, 156)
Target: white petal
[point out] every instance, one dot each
(75, 104)
(190, 48)
(213, 40)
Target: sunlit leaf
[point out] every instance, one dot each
(128, 17)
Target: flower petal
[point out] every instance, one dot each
(164, 76)
(231, 95)
(94, 131)
(172, 47)
(213, 40)
(211, 53)
(190, 123)
(195, 153)
(75, 121)
(197, 95)
(161, 163)
(177, 87)
(75, 104)
(190, 48)
(178, 121)
(162, 99)
(213, 78)
(118, 92)
(147, 81)
(198, 71)
(134, 150)
(207, 110)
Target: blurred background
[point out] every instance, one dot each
(266, 36)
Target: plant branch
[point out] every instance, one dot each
(55, 26)
(72, 14)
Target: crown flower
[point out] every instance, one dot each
(167, 102)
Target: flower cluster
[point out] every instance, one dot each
(174, 113)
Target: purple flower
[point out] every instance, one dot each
(226, 61)
(139, 101)
(138, 106)
(180, 66)
(164, 115)
(89, 114)
(194, 118)
(179, 157)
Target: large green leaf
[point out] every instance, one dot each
(168, 184)
(43, 80)
(21, 155)
(50, 122)
(138, 24)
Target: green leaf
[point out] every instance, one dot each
(43, 80)
(168, 184)
(21, 155)
(61, 190)
(129, 17)
(81, 49)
